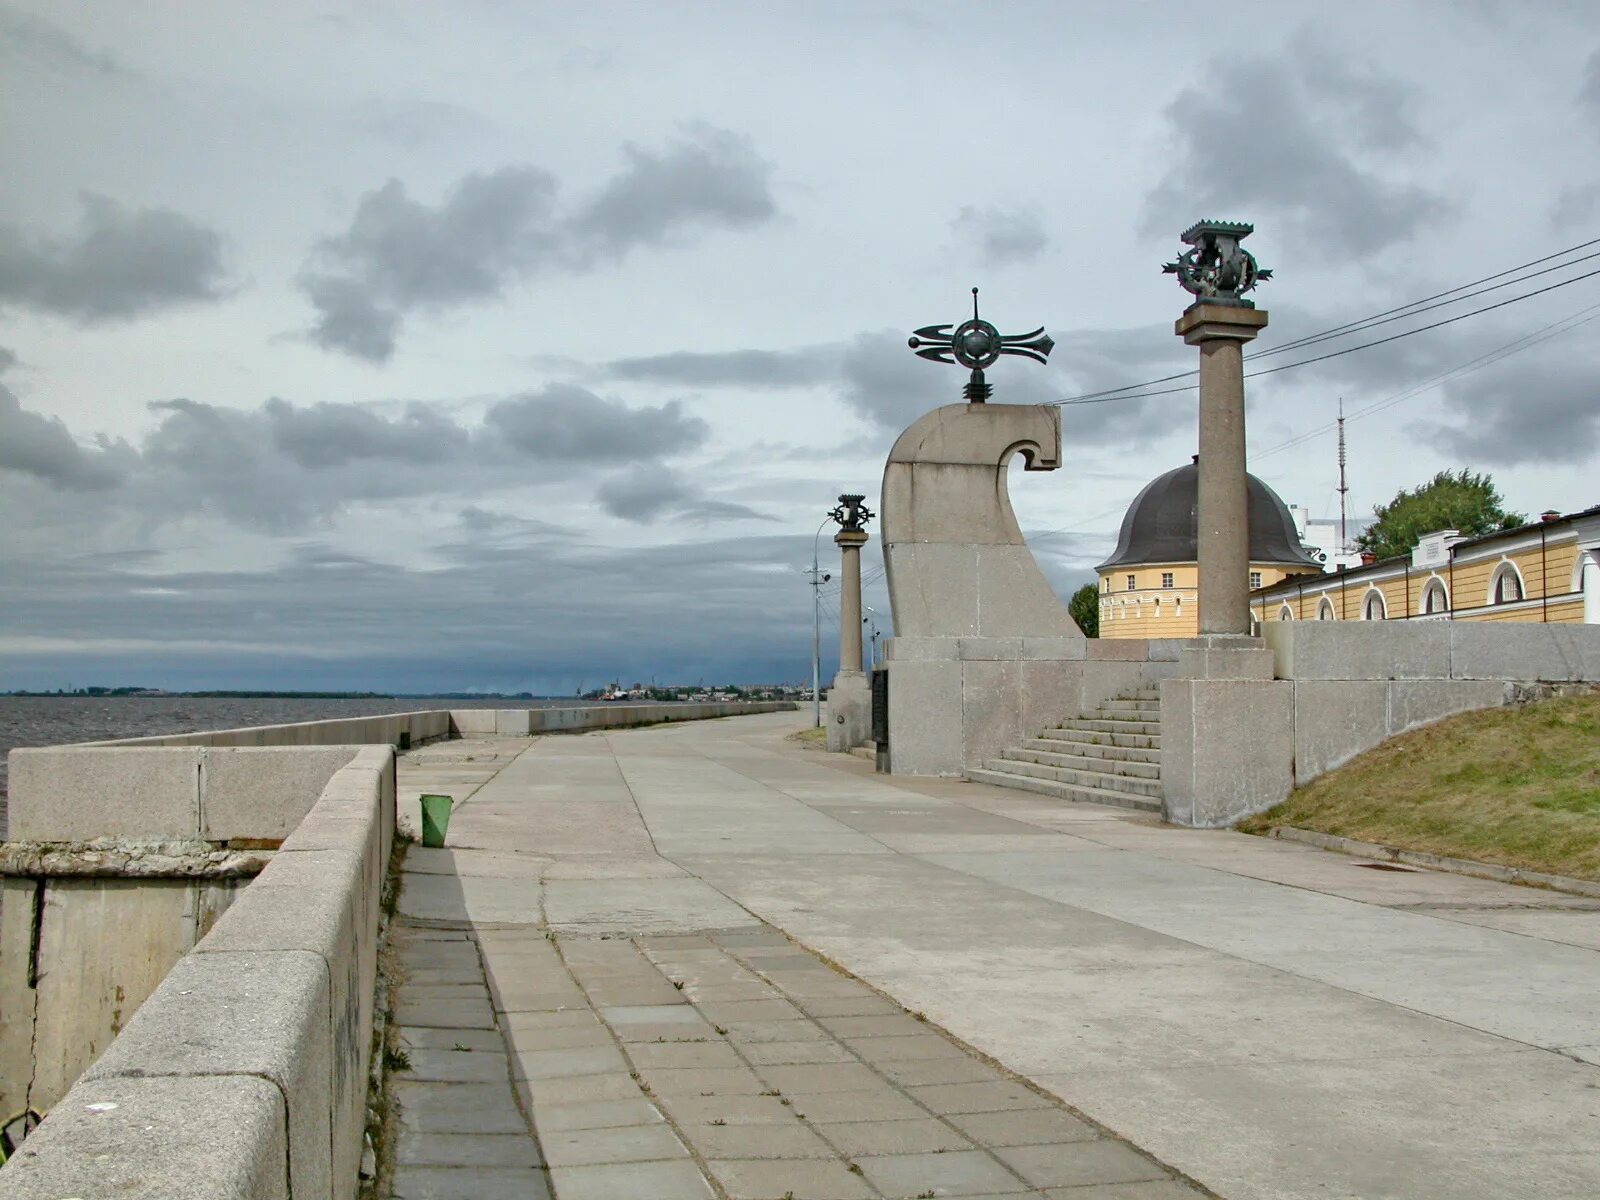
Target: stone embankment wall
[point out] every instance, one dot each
(1357, 684)
(245, 1071)
(215, 1037)
(1235, 743)
(414, 728)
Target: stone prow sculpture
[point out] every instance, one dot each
(956, 561)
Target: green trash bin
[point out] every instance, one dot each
(435, 819)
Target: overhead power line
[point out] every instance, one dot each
(1137, 391)
(1394, 337)
(1516, 346)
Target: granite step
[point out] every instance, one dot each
(1113, 725)
(1064, 791)
(1138, 768)
(1090, 737)
(1144, 710)
(1103, 780)
(1092, 750)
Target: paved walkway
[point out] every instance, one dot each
(1268, 1019)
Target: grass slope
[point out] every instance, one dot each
(1515, 786)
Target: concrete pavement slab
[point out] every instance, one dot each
(476, 1183)
(676, 1180)
(1271, 1019)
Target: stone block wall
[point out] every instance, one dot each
(1231, 747)
(244, 1073)
(954, 702)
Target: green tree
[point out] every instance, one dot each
(1085, 609)
(1450, 500)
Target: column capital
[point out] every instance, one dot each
(1204, 322)
(850, 538)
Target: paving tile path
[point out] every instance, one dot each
(613, 986)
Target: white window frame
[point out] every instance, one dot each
(1132, 585)
(1501, 572)
(1366, 605)
(1325, 605)
(1434, 583)
(1285, 613)
(1255, 580)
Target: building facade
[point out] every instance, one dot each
(1548, 571)
(1148, 587)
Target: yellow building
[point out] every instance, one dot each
(1546, 571)
(1148, 585)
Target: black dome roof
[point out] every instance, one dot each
(1160, 524)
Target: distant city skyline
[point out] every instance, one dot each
(416, 348)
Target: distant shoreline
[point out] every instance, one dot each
(149, 694)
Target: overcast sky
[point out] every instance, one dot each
(524, 346)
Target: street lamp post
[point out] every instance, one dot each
(817, 580)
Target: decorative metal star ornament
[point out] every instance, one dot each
(1217, 269)
(976, 344)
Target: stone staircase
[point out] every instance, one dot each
(1112, 756)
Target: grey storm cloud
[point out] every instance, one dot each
(1541, 412)
(31, 40)
(545, 618)
(708, 177)
(329, 435)
(118, 264)
(803, 367)
(564, 423)
(648, 496)
(1001, 235)
(496, 229)
(283, 467)
(42, 447)
(1271, 140)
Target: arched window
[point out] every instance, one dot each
(1325, 610)
(1286, 613)
(1374, 608)
(1435, 599)
(1506, 586)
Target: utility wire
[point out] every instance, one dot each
(1499, 353)
(1394, 337)
(1352, 326)
(1402, 309)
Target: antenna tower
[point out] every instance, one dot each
(1344, 488)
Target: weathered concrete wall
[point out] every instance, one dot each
(82, 953)
(138, 791)
(341, 731)
(954, 702)
(244, 1073)
(520, 722)
(1231, 747)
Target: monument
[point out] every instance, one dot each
(850, 698)
(984, 652)
(1218, 271)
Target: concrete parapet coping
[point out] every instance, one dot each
(1437, 650)
(144, 792)
(1437, 862)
